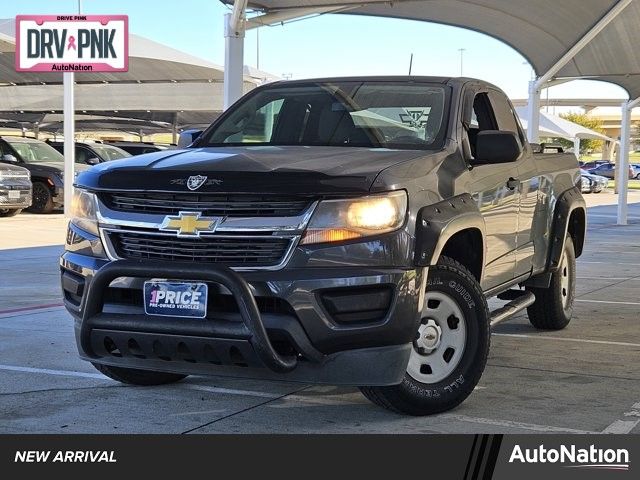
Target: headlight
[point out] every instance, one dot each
(337, 220)
(83, 211)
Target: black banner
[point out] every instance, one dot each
(467, 457)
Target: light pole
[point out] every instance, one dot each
(461, 50)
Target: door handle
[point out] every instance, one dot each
(513, 183)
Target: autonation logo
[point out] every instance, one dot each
(573, 457)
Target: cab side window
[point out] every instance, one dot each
(483, 118)
(506, 117)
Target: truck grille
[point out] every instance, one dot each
(209, 204)
(23, 200)
(246, 251)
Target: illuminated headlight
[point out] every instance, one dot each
(338, 220)
(83, 211)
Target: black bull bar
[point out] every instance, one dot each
(252, 326)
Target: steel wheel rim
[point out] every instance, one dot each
(434, 359)
(565, 281)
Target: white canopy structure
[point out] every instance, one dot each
(557, 127)
(562, 40)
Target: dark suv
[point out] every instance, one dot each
(92, 153)
(46, 166)
(138, 148)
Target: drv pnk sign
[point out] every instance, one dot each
(72, 43)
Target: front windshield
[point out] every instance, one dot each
(36, 152)
(108, 152)
(371, 114)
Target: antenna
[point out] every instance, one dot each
(410, 64)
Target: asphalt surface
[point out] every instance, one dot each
(585, 378)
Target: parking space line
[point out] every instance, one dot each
(580, 262)
(563, 339)
(229, 391)
(606, 278)
(581, 300)
(33, 307)
(511, 424)
(47, 371)
(621, 426)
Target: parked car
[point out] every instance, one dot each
(609, 170)
(593, 183)
(15, 189)
(340, 231)
(636, 167)
(593, 164)
(46, 166)
(138, 148)
(92, 153)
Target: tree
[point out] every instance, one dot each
(586, 144)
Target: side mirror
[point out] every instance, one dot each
(93, 161)
(494, 146)
(188, 137)
(7, 157)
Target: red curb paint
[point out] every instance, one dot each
(26, 309)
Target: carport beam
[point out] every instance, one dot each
(623, 167)
(234, 28)
(533, 112)
(576, 147)
(69, 140)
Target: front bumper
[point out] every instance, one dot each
(294, 324)
(9, 199)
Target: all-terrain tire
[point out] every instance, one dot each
(134, 376)
(451, 280)
(553, 307)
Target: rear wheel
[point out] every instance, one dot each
(134, 376)
(9, 212)
(553, 307)
(450, 347)
(42, 201)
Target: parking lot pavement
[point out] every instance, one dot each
(585, 378)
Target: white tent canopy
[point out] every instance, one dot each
(558, 127)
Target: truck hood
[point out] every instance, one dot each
(287, 169)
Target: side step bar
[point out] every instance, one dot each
(520, 300)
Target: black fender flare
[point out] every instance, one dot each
(568, 202)
(437, 223)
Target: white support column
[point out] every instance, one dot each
(234, 28)
(576, 147)
(533, 112)
(69, 140)
(622, 180)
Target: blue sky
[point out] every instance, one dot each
(328, 45)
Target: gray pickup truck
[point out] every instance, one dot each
(343, 231)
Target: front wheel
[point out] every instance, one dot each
(42, 198)
(450, 348)
(553, 307)
(134, 376)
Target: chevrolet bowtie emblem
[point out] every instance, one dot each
(189, 224)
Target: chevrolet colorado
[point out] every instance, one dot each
(343, 231)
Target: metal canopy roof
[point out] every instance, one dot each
(541, 30)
